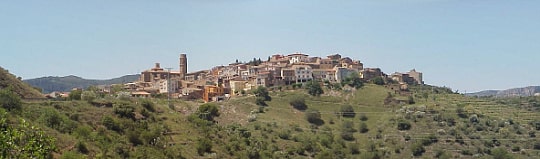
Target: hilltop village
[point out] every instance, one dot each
(279, 70)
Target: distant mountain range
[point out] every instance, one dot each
(514, 92)
(67, 83)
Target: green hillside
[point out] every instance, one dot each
(440, 124)
(10, 81)
(67, 83)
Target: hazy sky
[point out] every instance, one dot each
(463, 44)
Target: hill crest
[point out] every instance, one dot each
(513, 92)
(24, 90)
(66, 83)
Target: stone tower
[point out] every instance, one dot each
(183, 66)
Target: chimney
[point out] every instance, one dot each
(157, 65)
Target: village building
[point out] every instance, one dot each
(217, 82)
(417, 76)
(303, 73)
(298, 58)
(342, 73)
(370, 73)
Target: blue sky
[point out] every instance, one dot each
(463, 44)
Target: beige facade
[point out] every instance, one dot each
(303, 73)
(417, 76)
(237, 86)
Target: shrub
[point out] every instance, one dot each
(536, 124)
(363, 128)
(403, 125)
(75, 94)
(347, 126)
(110, 124)
(57, 121)
(314, 116)
(133, 137)
(500, 153)
(285, 135)
(314, 88)
(83, 132)
(148, 105)
(262, 92)
(88, 96)
(298, 103)
(9, 100)
(410, 100)
(151, 136)
(345, 135)
(353, 80)
(260, 101)
(536, 145)
(516, 148)
(23, 140)
(125, 96)
(81, 147)
(203, 145)
(417, 149)
(124, 110)
(208, 111)
(474, 119)
(378, 80)
(429, 140)
(466, 152)
(461, 112)
(71, 155)
(354, 148)
(347, 111)
(363, 117)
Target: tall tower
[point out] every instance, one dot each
(183, 66)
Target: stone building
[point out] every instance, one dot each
(417, 76)
(370, 73)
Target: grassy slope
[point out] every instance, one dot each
(22, 89)
(280, 117)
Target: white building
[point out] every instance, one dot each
(303, 73)
(298, 58)
(163, 86)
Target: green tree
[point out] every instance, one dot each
(260, 101)
(353, 80)
(147, 104)
(261, 94)
(378, 80)
(88, 96)
(314, 88)
(23, 140)
(75, 94)
(9, 100)
(116, 88)
(208, 111)
(53, 119)
(111, 124)
(124, 110)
